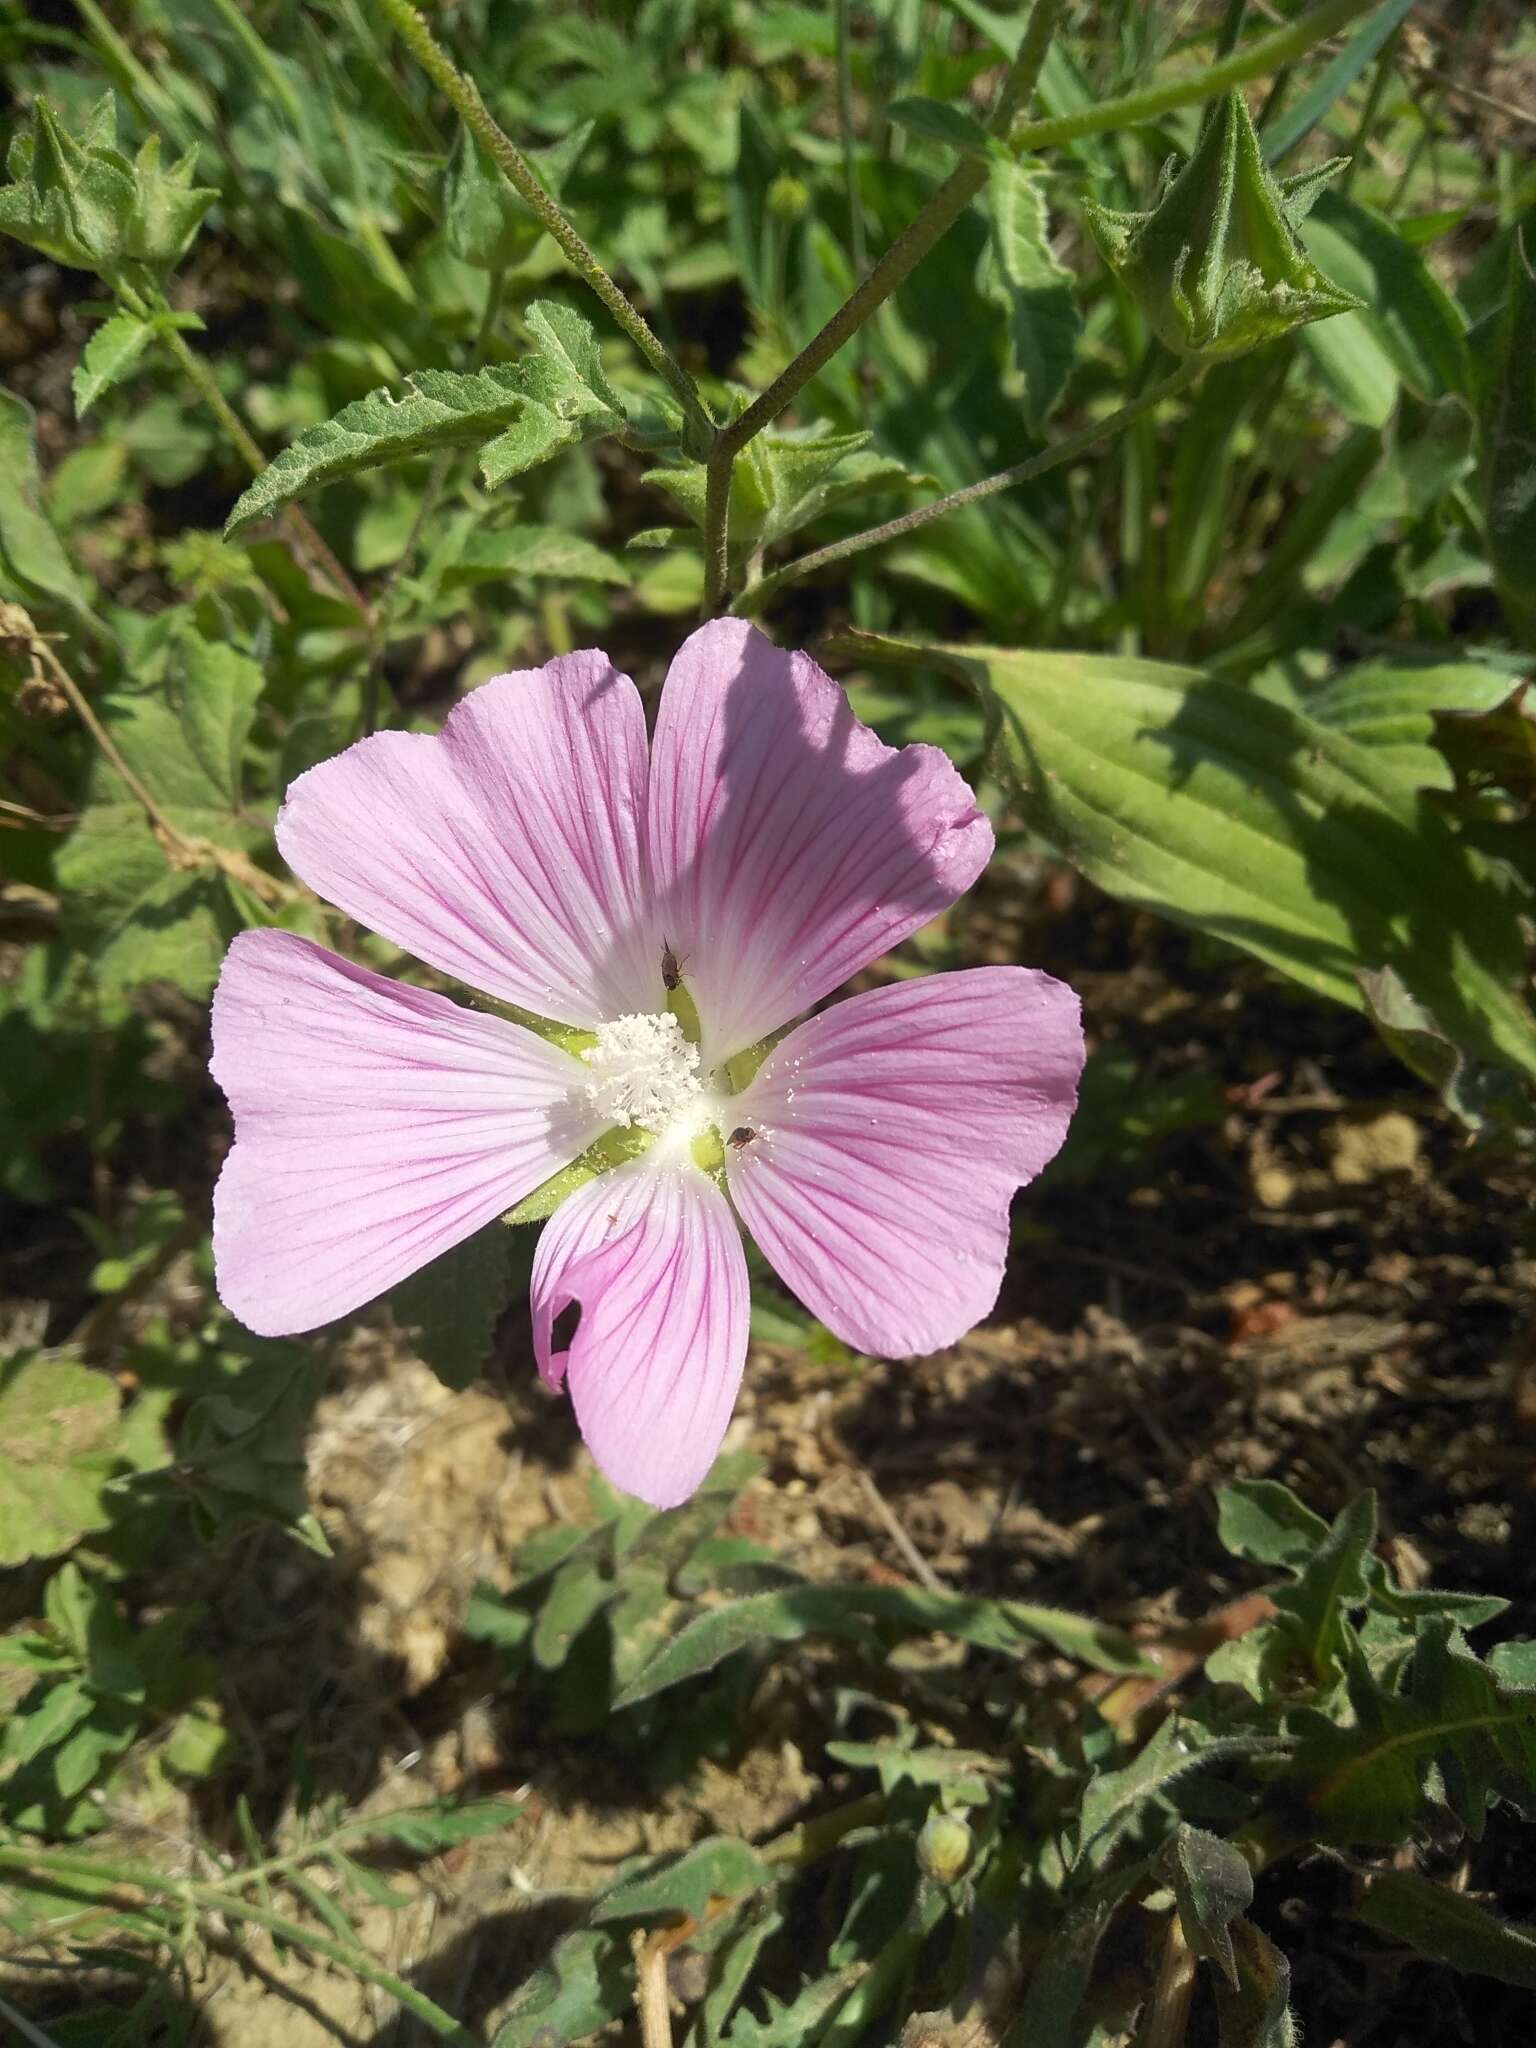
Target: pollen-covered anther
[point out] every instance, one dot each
(644, 1071)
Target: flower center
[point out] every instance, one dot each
(644, 1071)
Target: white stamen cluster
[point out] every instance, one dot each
(644, 1071)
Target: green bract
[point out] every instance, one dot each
(78, 199)
(1217, 265)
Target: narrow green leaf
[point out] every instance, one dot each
(108, 358)
(1334, 80)
(1407, 312)
(789, 1613)
(1448, 1926)
(1113, 1800)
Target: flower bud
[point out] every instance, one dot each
(80, 201)
(1217, 266)
(944, 1848)
(787, 197)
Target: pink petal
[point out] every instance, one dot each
(892, 1130)
(653, 1256)
(506, 849)
(790, 846)
(375, 1127)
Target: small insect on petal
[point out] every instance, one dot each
(741, 1137)
(671, 967)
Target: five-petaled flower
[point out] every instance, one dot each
(666, 909)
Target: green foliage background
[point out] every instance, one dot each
(1242, 633)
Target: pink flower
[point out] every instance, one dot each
(765, 848)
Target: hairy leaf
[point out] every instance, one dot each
(1044, 322)
(1448, 1926)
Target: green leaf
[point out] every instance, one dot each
(449, 1309)
(1390, 706)
(1508, 434)
(1044, 322)
(535, 551)
(720, 1867)
(1448, 1926)
(63, 1442)
(1213, 1884)
(1257, 2014)
(1264, 1521)
(60, 1709)
(1335, 79)
(1114, 1800)
(579, 1590)
(942, 121)
(1244, 818)
(109, 356)
(586, 1982)
(1407, 314)
(523, 411)
(214, 690)
(1476, 1094)
(1449, 1732)
(1333, 1580)
(789, 1613)
(430, 1828)
(733, 1963)
(1062, 1976)
(31, 554)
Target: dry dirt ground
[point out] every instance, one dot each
(1313, 1278)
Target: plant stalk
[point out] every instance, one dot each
(941, 211)
(206, 385)
(1022, 472)
(464, 95)
(73, 1871)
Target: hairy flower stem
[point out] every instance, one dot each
(307, 536)
(949, 202)
(757, 594)
(67, 1874)
(464, 95)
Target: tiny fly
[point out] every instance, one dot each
(671, 967)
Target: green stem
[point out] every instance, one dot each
(1189, 88)
(73, 1871)
(936, 217)
(845, 137)
(1022, 472)
(206, 385)
(1386, 67)
(464, 95)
